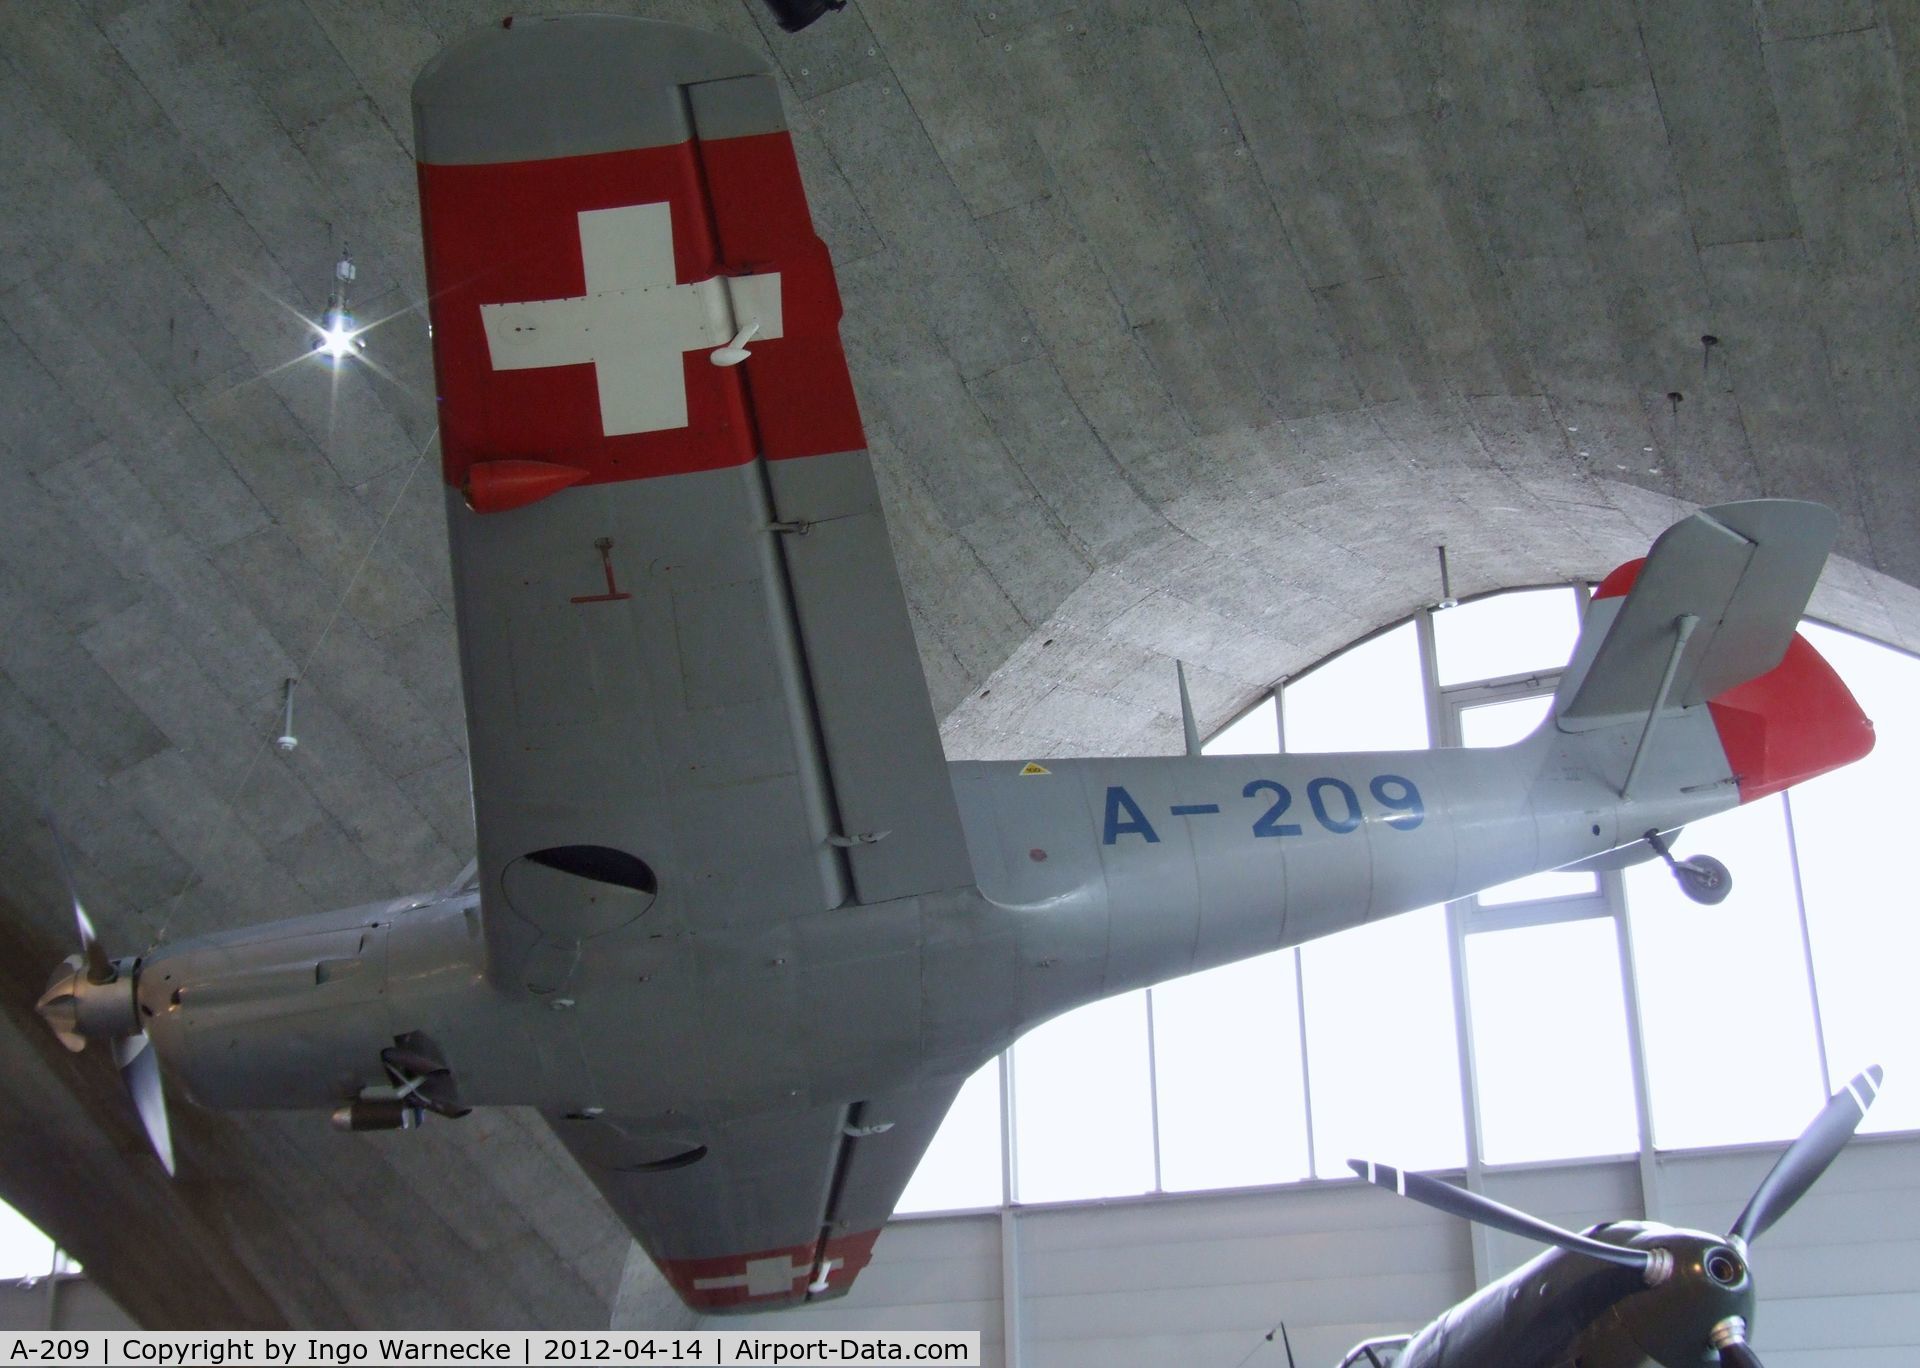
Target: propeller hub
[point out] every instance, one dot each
(1724, 1266)
(1709, 1288)
(78, 1008)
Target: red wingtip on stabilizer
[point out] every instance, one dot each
(1789, 724)
(496, 486)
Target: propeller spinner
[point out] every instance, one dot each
(92, 997)
(1702, 1288)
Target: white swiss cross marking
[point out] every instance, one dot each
(766, 1277)
(634, 322)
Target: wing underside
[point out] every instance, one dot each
(695, 706)
(764, 1211)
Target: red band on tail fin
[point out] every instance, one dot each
(1620, 579)
(1789, 724)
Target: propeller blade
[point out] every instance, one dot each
(1473, 1207)
(140, 1067)
(99, 969)
(1738, 1355)
(1807, 1158)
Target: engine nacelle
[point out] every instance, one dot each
(297, 1013)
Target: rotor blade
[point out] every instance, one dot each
(1807, 1158)
(99, 970)
(1473, 1207)
(1739, 1355)
(140, 1067)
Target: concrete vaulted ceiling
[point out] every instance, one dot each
(1181, 330)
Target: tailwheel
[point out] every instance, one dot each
(1704, 879)
(1701, 877)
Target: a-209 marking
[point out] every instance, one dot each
(1335, 806)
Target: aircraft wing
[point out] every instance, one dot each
(699, 733)
(768, 1210)
(692, 689)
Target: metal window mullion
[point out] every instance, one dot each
(1009, 1185)
(1806, 946)
(1010, 1287)
(1430, 677)
(1009, 1228)
(1306, 1067)
(1520, 916)
(1299, 975)
(1442, 730)
(1153, 1091)
(1469, 1085)
(1613, 888)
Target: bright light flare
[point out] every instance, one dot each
(338, 337)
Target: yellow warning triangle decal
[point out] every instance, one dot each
(1035, 767)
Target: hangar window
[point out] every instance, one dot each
(1368, 697)
(1502, 722)
(1508, 634)
(1228, 1073)
(962, 1167)
(24, 1251)
(1850, 833)
(1083, 1104)
(1255, 732)
(1562, 1092)
(1417, 1040)
(1748, 947)
(1383, 1074)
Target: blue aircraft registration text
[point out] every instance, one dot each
(1334, 803)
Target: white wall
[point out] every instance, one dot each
(1197, 1280)
(69, 1302)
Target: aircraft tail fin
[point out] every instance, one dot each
(1709, 616)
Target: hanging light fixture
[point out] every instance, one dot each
(337, 336)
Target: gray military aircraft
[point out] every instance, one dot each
(1625, 1294)
(738, 929)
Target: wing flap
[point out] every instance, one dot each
(885, 763)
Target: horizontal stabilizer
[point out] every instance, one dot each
(1743, 572)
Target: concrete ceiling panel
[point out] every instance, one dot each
(1181, 330)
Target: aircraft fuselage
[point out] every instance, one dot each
(1562, 1309)
(1095, 877)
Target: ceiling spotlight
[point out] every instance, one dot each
(337, 335)
(794, 15)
